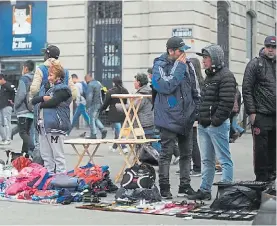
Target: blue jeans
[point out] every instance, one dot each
(81, 110)
(94, 121)
(214, 143)
(236, 127)
(117, 128)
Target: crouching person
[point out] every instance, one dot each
(53, 118)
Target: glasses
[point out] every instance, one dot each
(270, 46)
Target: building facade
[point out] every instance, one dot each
(112, 38)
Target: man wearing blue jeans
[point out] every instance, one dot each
(81, 88)
(94, 102)
(217, 100)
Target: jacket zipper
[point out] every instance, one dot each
(211, 113)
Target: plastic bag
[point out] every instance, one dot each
(237, 198)
(148, 154)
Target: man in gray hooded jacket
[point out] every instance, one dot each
(23, 112)
(217, 101)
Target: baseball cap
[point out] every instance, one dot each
(270, 40)
(53, 51)
(203, 53)
(176, 43)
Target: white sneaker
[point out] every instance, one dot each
(5, 142)
(125, 150)
(176, 160)
(113, 149)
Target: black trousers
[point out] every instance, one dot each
(24, 126)
(264, 140)
(168, 142)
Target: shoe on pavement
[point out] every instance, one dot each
(184, 191)
(104, 134)
(195, 173)
(176, 160)
(92, 137)
(113, 149)
(200, 195)
(177, 172)
(165, 191)
(5, 142)
(125, 150)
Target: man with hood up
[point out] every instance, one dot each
(217, 100)
(259, 94)
(175, 110)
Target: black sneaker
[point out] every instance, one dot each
(177, 172)
(200, 195)
(104, 133)
(165, 192)
(184, 191)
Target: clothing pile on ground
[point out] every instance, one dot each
(25, 180)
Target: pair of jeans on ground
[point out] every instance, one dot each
(80, 110)
(5, 123)
(94, 120)
(214, 143)
(168, 142)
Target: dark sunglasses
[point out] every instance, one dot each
(268, 46)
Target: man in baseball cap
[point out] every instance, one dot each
(259, 97)
(51, 51)
(175, 100)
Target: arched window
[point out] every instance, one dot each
(223, 28)
(249, 35)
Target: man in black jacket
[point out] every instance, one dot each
(7, 93)
(259, 94)
(217, 100)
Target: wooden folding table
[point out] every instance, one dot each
(128, 125)
(129, 160)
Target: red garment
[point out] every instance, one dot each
(89, 175)
(26, 195)
(21, 162)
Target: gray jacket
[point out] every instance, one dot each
(94, 94)
(20, 106)
(145, 113)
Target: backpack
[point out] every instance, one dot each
(85, 89)
(28, 81)
(139, 176)
(148, 154)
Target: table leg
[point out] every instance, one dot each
(82, 155)
(127, 118)
(93, 153)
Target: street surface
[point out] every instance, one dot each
(38, 214)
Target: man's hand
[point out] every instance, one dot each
(182, 58)
(46, 98)
(252, 118)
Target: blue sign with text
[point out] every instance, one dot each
(23, 28)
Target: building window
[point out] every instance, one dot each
(249, 34)
(223, 28)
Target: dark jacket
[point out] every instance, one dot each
(218, 92)
(56, 112)
(259, 86)
(114, 115)
(177, 96)
(7, 93)
(20, 102)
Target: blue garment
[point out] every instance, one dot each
(56, 120)
(81, 110)
(117, 128)
(214, 143)
(94, 94)
(84, 89)
(177, 95)
(236, 127)
(44, 69)
(94, 120)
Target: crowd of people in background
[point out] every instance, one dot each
(185, 109)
